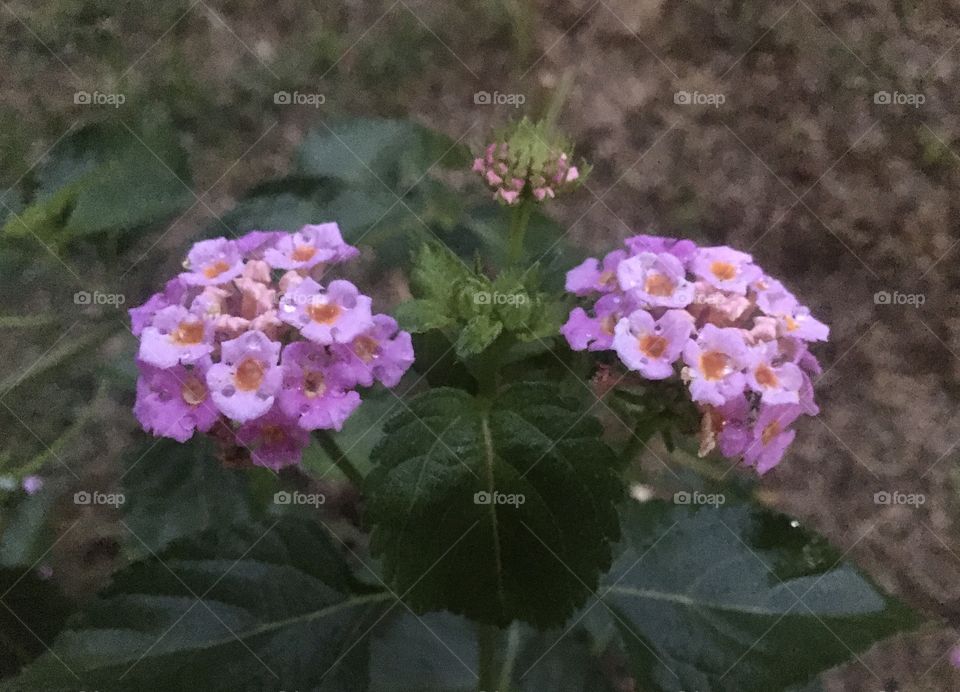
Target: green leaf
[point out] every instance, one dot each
(436, 273)
(422, 315)
(391, 153)
(174, 490)
(718, 598)
(274, 612)
(559, 661)
(25, 532)
(436, 652)
(477, 335)
(534, 557)
(34, 611)
(513, 304)
(106, 178)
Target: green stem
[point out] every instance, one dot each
(513, 646)
(518, 228)
(487, 653)
(337, 455)
(27, 321)
(557, 100)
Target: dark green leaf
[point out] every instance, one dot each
(175, 490)
(393, 153)
(436, 652)
(33, 612)
(274, 613)
(719, 598)
(25, 533)
(533, 555)
(105, 177)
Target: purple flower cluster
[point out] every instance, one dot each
(712, 317)
(248, 346)
(508, 178)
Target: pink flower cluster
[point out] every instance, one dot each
(508, 178)
(248, 346)
(713, 318)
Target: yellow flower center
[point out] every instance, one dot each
(714, 364)
(303, 253)
(188, 333)
(366, 348)
(652, 345)
(723, 270)
(215, 269)
(249, 374)
(792, 324)
(770, 432)
(765, 376)
(313, 384)
(193, 391)
(272, 434)
(324, 313)
(658, 285)
(608, 324)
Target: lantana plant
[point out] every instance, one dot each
(246, 344)
(554, 458)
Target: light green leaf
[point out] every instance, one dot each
(422, 315)
(477, 335)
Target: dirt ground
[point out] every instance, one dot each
(787, 147)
